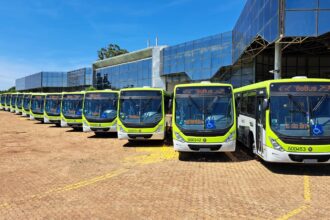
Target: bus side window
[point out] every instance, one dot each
(251, 105)
(238, 104)
(244, 104)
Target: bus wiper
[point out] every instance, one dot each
(300, 108)
(317, 106)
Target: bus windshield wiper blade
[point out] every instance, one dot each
(317, 106)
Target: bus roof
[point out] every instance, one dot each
(265, 84)
(202, 84)
(102, 91)
(71, 93)
(142, 89)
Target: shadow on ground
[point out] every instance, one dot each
(104, 135)
(299, 169)
(148, 143)
(75, 130)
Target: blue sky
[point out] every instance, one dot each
(61, 35)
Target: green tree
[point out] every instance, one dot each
(91, 88)
(111, 51)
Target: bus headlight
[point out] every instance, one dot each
(179, 137)
(121, 129)
(230, 137)
(159, 129)
(276, 145)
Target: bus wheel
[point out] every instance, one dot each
(184, 156)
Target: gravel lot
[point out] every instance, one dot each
(54, 173)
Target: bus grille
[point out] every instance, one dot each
(301, 158)
(196, 147)
(145, 136)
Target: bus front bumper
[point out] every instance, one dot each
(204, 147)
(100, 129)
(141, 136)
(272, 155)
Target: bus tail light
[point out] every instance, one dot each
(276, 145)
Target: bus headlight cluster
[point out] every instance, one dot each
(276, 145)
(230, 137)
(179, 137)
(159, 129)
(121, 129)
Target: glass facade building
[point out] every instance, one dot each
(132, 74)
(199, 59)
(307, 17)
(56, 81)
(258, 18)
(80, 78)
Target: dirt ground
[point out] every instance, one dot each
(55, 173)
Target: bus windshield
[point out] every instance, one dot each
(13, 100)
(37, 104)
(19, 100)
(141, 108)
(53, 105)
(8, 99)
(207, 109)
(26, 102)
(3, 99)
(100, 107)
(72, 106)
(300, 109)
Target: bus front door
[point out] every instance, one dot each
(260, 113)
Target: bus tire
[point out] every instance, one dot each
(184, 156)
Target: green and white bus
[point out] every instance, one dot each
(8, 100)
(52, 113)
(19, 103)
(13, 100)
(71, 110)
(26, 108)
(286, 120)
(100, 111)
(203, 118)
(37, 106)
(142, 114)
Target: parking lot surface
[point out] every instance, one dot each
(53, 173)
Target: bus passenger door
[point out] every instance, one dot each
(260, 119)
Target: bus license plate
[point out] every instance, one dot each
(310, 161)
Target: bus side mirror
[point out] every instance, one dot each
(265, 104)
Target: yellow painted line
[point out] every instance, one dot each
(307, 189)
(4, 205)
(154, 155)
(307, 199)
(70, 187)
(293, 213)
(231, 156)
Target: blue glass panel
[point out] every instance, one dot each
(301, 4)
(324, 22)
(325, 4)
(257, 18)
(300, 23)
